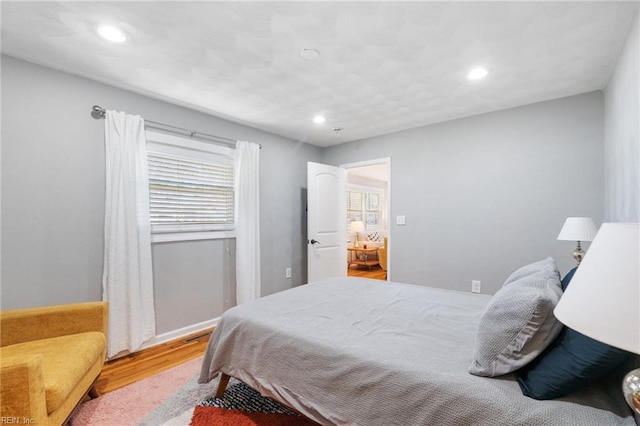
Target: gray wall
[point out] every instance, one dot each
(487, 194)
(53, 200)
(621, 133)
(482, 195)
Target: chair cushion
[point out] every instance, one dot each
(66, 360)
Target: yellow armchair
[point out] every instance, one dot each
(50, 358)
(382, 257)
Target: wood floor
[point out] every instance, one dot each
(376, 272)
(140, 365)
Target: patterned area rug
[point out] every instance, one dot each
(167, 399)
(241, 405)
(175, 398)
(241, 397)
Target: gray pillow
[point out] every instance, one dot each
(546, 268)
(517, 325)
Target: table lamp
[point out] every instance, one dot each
(578, 229)
(357, 226)
(602, 300)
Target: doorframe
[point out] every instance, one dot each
(387, 161)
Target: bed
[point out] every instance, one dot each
(365, 352)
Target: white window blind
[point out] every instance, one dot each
(189, 194)
(191, 187)
(354, 200)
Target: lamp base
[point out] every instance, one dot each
(578, 253)
(631, 389)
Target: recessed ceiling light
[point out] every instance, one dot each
(111, 33)
(318, 119)
(309, 54)
(477, 73)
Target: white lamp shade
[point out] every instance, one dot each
(603, 297)
(357, 226)
(578, 229)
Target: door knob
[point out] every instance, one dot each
(314, 241)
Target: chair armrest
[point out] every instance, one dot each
(22, 389)
(27, 325)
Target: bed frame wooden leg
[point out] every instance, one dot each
(222, 385)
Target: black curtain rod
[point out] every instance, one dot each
(98, 112)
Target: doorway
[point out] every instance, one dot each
(367, 214)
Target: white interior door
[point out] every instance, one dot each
(326, 221)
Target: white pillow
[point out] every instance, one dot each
(546, 268)
(517, 325)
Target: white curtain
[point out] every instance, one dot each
(127, 279)
(248, 222)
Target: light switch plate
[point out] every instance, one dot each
(401, 220)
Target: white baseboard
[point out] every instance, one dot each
(171, 335)
(181, 332)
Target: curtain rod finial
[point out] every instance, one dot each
(98, 112)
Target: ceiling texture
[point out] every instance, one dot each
(383, 66)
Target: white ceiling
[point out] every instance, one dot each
(379, 172)
(383, 66)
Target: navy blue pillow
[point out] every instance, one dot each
(572, 361)
(567, 278)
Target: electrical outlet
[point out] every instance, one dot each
(287, 273)
(476, 286)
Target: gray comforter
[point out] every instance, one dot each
(364, 352)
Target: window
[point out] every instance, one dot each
(191, 189)
(363, 204)
(372, 202)
(354, 206)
